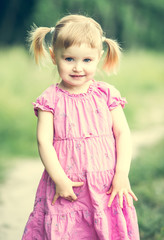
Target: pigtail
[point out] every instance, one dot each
(112, 58)
(37, 41)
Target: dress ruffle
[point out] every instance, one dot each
(46, 101)
(45, 107)
(77, 95)
(116, 101)
(87, 218)
(107, 224)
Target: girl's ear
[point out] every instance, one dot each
(52, 56)
(102, 52)
(100, 55)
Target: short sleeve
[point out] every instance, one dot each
(46, 101)
(111, 95)
(114, 98)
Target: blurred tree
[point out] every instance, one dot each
(102, 11)
(145, 20)
(131, 22)
(14, 15)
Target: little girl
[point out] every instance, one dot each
(83, 141)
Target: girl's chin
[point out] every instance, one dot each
(76, 82)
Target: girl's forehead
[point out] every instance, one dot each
(82, 49)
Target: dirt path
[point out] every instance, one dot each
(18, 192)
(146, 138)
(17, 198)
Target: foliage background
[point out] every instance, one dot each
(131, 22)
(138, 27)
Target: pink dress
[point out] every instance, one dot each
(85, 146)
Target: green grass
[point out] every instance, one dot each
(147, 181)
(21, 82)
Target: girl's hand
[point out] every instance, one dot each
(121, 186)
(65, 190)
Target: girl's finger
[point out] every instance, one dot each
(111, 198)
(128, 199)
(69, 199)
(77, 184)
(74, 197)
(55, 198)
(121, 199)
(133, 195)
(110, 190)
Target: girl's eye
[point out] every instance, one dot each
(69, 59)
(87, 60)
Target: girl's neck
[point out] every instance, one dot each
(74, 89)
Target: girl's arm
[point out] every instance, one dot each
(120, 183)
(49, 158)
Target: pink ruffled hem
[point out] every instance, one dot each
(87, 218)
(118, 101)
(111, 223)
(38, 105)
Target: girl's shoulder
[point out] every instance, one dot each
(107, 88)
(110, 94)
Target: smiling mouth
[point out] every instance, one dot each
(77, 76)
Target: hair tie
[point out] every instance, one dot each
(52, 29)
(103, 39)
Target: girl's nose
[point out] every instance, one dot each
(77, 68)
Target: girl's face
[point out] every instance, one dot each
(76, 64)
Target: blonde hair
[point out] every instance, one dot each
(75, 30)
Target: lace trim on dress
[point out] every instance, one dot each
(90, 89)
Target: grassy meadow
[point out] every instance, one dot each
(147, 181)
(140, 79)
